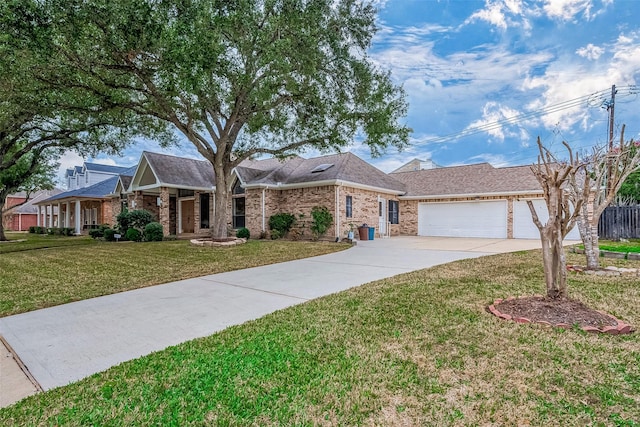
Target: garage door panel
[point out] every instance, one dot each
(463, 219)
(523, 226)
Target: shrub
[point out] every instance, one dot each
(109, 234)
(281, 223)
(51, 231)
(39, 230)
(32, 229)
(243, 233)
(134, 219)
(275, 234)
(322, 219)
(97, 233)
(153, 232)
(133, 234)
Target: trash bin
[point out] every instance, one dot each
(372, 232)
(363, 232)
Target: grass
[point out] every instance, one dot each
(20, 241)
(415, 349)
(633, 245)
(80, 268)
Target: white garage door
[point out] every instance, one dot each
(523, 226)
(463, 219)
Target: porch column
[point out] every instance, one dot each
(38, 213)
(67, 215)
(164, 210)
(77, 218)
(59, 217)
(50, 215)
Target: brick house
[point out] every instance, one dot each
(180, 193)
(419, 198)
(472, 201)
(22, 213)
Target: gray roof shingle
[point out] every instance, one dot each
(96, 191)
(180, 171)
(480, 178)
(346, 167)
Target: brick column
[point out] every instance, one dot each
(196, 212)
(510, 218)
(164, 210)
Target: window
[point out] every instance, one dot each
(204, 210)
(349, 207)
(185, 193)
(238, 205)
(393, 212)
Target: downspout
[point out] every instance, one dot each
(337, 221)
(263, 211)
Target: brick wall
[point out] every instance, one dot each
(301, 201)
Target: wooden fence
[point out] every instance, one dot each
(620, 222)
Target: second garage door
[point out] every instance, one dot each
(523, 226)
(463, 219)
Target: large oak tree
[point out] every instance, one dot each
(42, 115)
(237, 78)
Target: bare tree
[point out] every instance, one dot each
(608, 170)
(563, 209)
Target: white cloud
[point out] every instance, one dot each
(590, 51)
(570, 10)
(502, 14)
(499, 121)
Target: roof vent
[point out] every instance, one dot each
(321, 168)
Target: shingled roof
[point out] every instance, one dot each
(180, 172)
(96, 191)
(478, 179)
(345, 167)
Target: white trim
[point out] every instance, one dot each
(328, 182)
(458, 196)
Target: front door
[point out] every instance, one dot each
(186, 216)
(382, 214)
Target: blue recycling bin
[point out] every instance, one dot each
(372, 232)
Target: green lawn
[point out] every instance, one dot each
(416, 349)
(631, 246)
(25, 241)
(76, 268)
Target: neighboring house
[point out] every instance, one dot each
(472, 201)
(417, 165)
(20, 218)
(87, 204)
(417, 199)
(90, 174)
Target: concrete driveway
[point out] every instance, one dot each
(63, 344)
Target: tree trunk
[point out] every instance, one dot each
(219, 229)
(589, 236)
(555, 264)
(3, 200)
(3, 238)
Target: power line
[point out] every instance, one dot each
(591, 100)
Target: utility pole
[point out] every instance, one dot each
(611, 110)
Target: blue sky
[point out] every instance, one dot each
(485, 78)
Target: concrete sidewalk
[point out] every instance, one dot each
(65, 343)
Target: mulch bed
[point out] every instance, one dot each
(564, 313)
